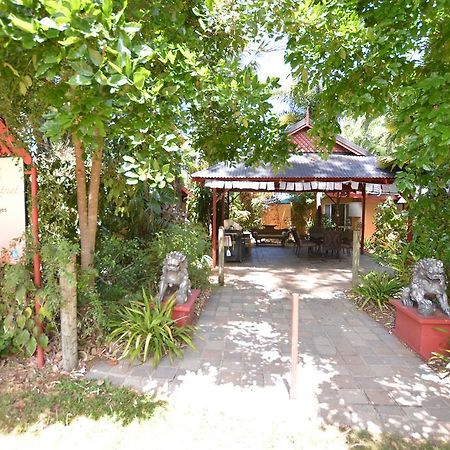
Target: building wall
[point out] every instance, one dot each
(372, 201)
(277, 214)
(281, 214)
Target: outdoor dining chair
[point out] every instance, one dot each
(332, 242)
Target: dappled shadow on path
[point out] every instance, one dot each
(351, 371)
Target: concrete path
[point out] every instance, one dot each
(351, 371)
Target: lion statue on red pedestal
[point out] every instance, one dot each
(427, 284)
(175, 278)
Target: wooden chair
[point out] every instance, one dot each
(332, 241)
(299, 243)
(296, 237)
(347, 241)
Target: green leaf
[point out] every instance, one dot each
(42, 340)
(30, 346)
(9, 324)
(22, 88)
(95, 56)
(11, 68)
(132, 28)
(107, 8)
(69, 41)
(29, 27)
(115, 67)
(49, 23)
(140, 76)
(22, 338)
(20, 320)
(21, 294)
(83, 68)
(79, 80)
(28, 312)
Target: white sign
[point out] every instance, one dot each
(12, 207)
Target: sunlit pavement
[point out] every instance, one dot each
(351, 372)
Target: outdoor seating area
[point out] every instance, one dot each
(323, 241)
(271, 234)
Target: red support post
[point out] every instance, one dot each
(214, 228)
(36, 258)
(363, 218)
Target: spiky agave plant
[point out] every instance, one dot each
(145, 328)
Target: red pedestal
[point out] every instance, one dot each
(423, 334)
(184, 314)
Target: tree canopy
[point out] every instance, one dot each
(142, 84)
(382, 58)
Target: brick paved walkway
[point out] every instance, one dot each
(351, 371)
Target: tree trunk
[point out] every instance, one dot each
(69, 342)
(87, 206)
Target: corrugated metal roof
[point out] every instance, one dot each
(303, 167)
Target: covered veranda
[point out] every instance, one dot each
(338, 176)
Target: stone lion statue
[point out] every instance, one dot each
(175, 278)
(427, 284)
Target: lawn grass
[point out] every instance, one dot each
(66, 399)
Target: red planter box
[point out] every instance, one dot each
(184, 314)
(421, 333)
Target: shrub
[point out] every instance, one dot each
(145, 328)
(124, 266)
(190, 239)
(377, 288)
(18, 330)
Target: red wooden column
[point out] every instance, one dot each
(36, 258)
(214, 228)
(363, 218)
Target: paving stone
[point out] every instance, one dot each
(353, 396)
(228, 376)
(390, 410)
(370, 382)
(143, 370)
(190, 364)
(379, 397)
(167, 373)
(326, 350)
(442, 414)
(344, 381)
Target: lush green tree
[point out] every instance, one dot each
(143, 85)
(371, 134)
(375, 58)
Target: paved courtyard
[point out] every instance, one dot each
(351, 371)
